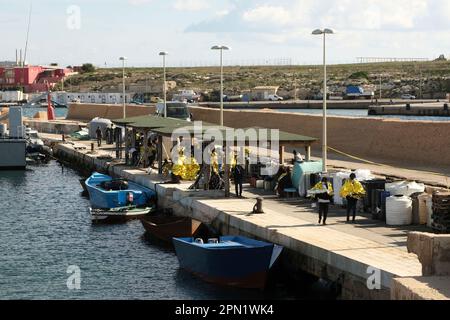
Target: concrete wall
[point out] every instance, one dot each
(86, 112)
(418, 143)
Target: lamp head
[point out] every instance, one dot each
(163, 53)
(220, 48)
(324, 31)
(123, 58)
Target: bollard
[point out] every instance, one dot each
(258, 208)
(63, 138)
(92, 147)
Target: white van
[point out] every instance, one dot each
(176, 110)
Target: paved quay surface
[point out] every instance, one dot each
(293, 223)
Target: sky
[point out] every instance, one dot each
(72, 32)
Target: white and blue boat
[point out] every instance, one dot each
(233, 261)
(118, 198)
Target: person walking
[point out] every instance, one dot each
(324, 193)
(99, 134)
(238, 175)
(352, 190)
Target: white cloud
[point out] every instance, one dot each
(268, 14)
(191, 5)
(139, 2)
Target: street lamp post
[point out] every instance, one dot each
(324, 32)
(123, 59)
(221, 48)
(163, 54)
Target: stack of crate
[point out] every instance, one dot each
(441, 212)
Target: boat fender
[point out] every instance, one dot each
(213, 241)
(199, 241)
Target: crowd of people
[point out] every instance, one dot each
(182, 169)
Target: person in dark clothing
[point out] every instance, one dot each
(352, 191)
(324, 194)
(238, 175)
(99, 134)
(284, 182)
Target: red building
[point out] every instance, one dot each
(31, 78)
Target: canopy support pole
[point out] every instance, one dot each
(160, 154)
(308, 152)
(227, 171)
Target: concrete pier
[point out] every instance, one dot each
(351, 254)
(408, 109)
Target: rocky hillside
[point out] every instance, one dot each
(431, 79)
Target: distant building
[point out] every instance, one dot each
(152, 87)
(262, 92)
(31, 78)
(64, 98)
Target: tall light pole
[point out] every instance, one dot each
(381, 93)
(163, 54)
(123, 59)
(221, 48)
(324, 32)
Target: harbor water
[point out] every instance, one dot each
(62, 112)
(46, 231)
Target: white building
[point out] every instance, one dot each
(65, 98)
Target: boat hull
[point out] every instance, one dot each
(106, 199)
(244, 266)
(118, 216)
(166, 227)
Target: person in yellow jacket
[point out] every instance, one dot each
(323, 192)
(352, 190)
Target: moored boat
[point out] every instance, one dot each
(118, 198)
(119, 214)
(106, 192)
(233, 261)
(166, 227)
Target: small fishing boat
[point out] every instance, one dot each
(166, 227)
(119, 214)
(118, 198)
(232, 261)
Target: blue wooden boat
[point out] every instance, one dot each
(118, 198)
(232, 261)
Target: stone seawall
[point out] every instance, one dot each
(86, 112)
(416, 143)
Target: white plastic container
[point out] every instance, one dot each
(405, 188)
(399, 211)
(363, 175)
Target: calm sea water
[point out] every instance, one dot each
(30, 112)
(62, 112)
(361, 113)
(45, 228)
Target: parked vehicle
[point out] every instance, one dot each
(186, 95)
(274, 97)
(357, 92)
(407, 96)
(176, 110)
(156, 100)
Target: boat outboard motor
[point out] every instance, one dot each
(130, 198)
